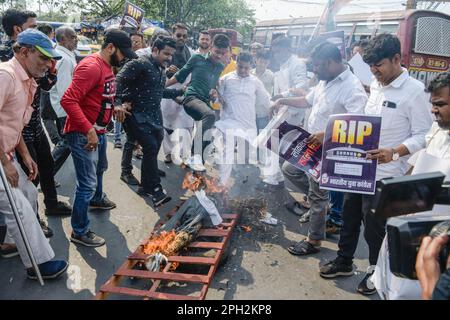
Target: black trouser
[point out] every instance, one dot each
(150, 140)
(356, 210)
(62, 150)
(200, 111)
(39, 150)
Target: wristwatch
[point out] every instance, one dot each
(395, 155)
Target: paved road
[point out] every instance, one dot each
(258, 267)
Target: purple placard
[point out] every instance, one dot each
(291, 144)
(344, 164)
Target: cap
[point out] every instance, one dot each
(40, 41)
(120, 40)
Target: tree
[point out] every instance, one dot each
(197, 14)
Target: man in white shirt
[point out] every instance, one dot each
(404, 106)
(435, 157)
(339, 91)
(292, 74)
(67, 43)
(239, 92)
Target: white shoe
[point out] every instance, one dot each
(196, 163)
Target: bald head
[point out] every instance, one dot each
(66, 37)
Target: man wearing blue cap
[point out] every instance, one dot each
(33, 54)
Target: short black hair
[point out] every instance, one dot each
(383, 46)
(137, 34)
(179, 26)
(162, 41)
(441, 81)
(45, 29)
(221, 41)
(282, 42)
(263, 55)
(245, 57)
(326, 51)
(205, 32)
(14, 17)
(361, 43)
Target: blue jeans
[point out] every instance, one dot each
(337, 204)
(117, 131)
(89, 169)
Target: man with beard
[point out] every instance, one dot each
(89, 102)
(176, 120)
(140, 88)
(205, 72)
(204, 42)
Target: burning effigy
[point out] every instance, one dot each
(182, 228)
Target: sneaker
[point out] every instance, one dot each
(104, 204)
(118, 145)
(195, 163)
(334, 269)
(129, 179)
(159, 197)
(60, 209)
(48, 233)
(90, 239)
(366, 287)
(168, 159)
(49, 270)
(9, 251)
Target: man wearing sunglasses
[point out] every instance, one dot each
(176, 121)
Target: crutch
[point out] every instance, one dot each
(20, 224)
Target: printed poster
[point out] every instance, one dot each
(344, 164)
(290, 141)
(132, 16)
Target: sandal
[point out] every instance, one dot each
(296, 208)
(304, 218)
(304, 203)
(303, 248)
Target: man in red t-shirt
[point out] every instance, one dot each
(88, 103)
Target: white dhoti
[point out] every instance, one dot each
(26, 197)
(179, 142)
(226, 139)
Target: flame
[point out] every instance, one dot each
(162, 243)
(195, 182)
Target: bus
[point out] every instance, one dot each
(424, 35)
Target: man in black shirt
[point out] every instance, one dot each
(140, 88)
(14, 22)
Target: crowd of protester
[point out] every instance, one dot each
(165, 96)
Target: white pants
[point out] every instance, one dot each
(25, 196)
(178, 144)
(225, 147)
(270, 170)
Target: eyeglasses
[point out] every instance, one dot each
(179, 35)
